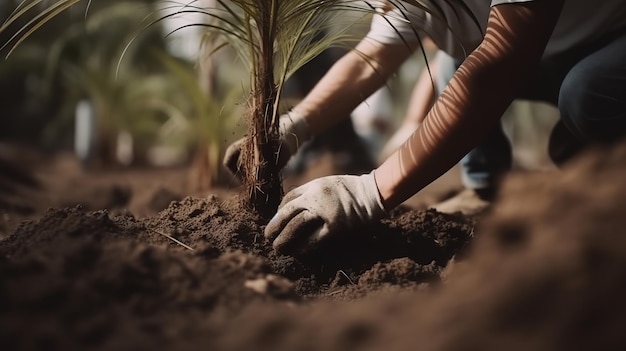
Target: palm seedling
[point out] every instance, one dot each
(273, 39)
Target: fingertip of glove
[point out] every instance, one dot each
(283, 245)
(300, 236)
(273, 226)
(288, 247)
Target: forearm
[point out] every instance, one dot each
(350, 81)
(470, 106)
(452, 127)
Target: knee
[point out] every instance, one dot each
(593, 107)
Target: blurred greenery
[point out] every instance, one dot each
(73, 58)
(199, 121)
(107, 56)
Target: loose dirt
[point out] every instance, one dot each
(544, 270)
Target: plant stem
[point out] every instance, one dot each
(263, 174)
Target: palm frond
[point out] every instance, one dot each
(296, 30)
(293, 27)
(293, 31)
(35, 23)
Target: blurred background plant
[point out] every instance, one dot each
(201, 122)
(86, 58)
(99, 80)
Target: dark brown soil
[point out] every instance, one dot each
(545, 270)
(78, 278)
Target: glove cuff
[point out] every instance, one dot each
(294, 130)
(373, 201)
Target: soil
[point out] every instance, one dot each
(135, 259)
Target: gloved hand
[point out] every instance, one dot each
(294, 131)
(322, 208)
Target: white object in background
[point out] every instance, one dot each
(84, 130)
(124, 148)
(166, 156)
(371, 119)
(184, 29)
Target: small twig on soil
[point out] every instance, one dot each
(334, 292)
(173, 239)
(345, 275)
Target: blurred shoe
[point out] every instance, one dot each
(468, 202)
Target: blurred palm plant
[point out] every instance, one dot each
(137, 88)
(199, 121)
(87, 55)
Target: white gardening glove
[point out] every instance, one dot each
(322, 208)
(294, 131)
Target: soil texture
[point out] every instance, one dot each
(545, 269)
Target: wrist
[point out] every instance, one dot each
(385, 190)
(294, 130)
(374, 203)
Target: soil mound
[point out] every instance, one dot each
(545, 270)
(93, 279)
